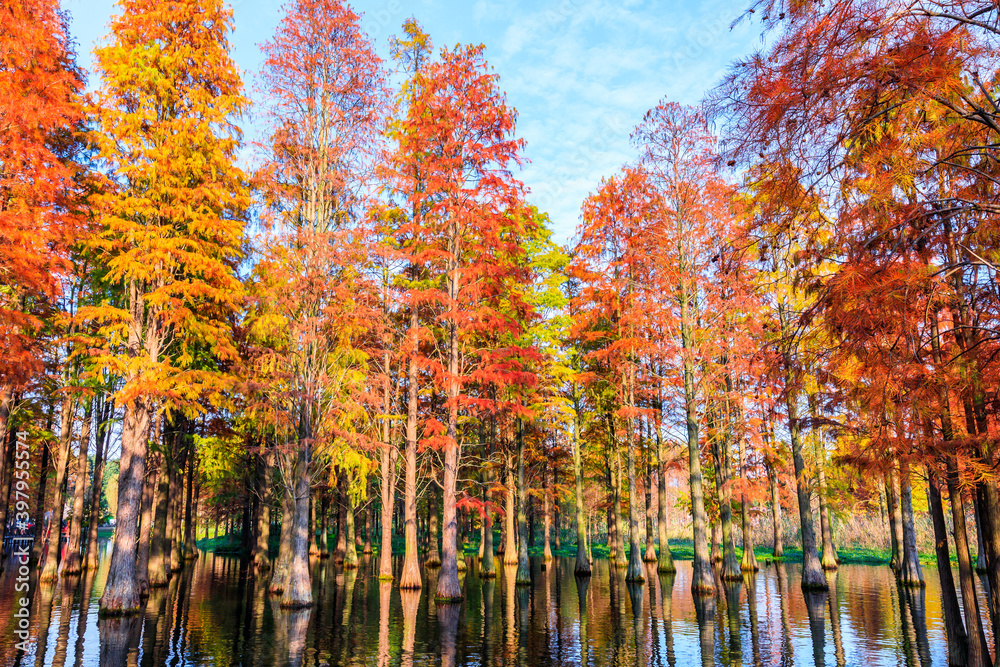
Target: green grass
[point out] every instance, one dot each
(680, 549)
(224, 544)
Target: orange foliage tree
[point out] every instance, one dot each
(172, 229)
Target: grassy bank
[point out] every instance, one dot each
(681, 550)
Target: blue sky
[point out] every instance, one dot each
(581, 73)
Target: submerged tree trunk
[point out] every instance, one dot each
(351, 554)
(433, 553)
(96, 489)
(620, 557)
(298, 588)
(651, 523)
(582, 565)
(323, 534)
(812, 570)
(174, 528)
(261, 559)
(487, 567)
(612, 519)
(895, 520)
(50, 569)
(159, 557)
(410, 576)
(702, 577)
(279, 577)
(547, 517)
(40, 497)
(749, 562)
(389, 456)
(448, 587)
(366, 546)
(958, 640)
(724, 491)
(665, 562)
(190, 551)
(778, 549)
(716, 539)
(7, 447)
(829, 559)
(523, 577)
(910, 574)
(635, 569)
(73, 563)
(509, 541)
(978, 655)
(121, 591)
(340, 500)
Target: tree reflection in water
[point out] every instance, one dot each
(704, 606)
(219, 613)
(815, 608)
(120, 640)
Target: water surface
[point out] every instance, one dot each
(216, 613)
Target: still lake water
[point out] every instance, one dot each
(213, 614)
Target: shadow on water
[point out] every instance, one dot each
(218, 612)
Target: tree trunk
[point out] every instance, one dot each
(159, 545)
(779, 549)
(410, 576)
(523, 577)
(261, 558)
(190, 551)
(980, 547)
(989, 509)
(910, 574)
(121, 591)
(7, 448)
(895, 519)
(812, 570)
(298, 589)
(314, 527)
(448, 587)
(351, 554)
(978, 655)
(829, 561)
(367, 546)
(73, 563)
(323, 536)
(958, 640)
(488, 568)
(546, 517)
(702, 577)
(193, 550)
(651, 523)
(433, 554)
(100, 427)
(340, 548)
(146, 523)
(389, 456)
(635, 571)
(716, 551)
(749, 562)
(42, 497)
(50, 570)
(279, 577)
(582, 565)
(724, 490)
(620, 559)
(510, 515)
(665, 563)
(174, 528)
